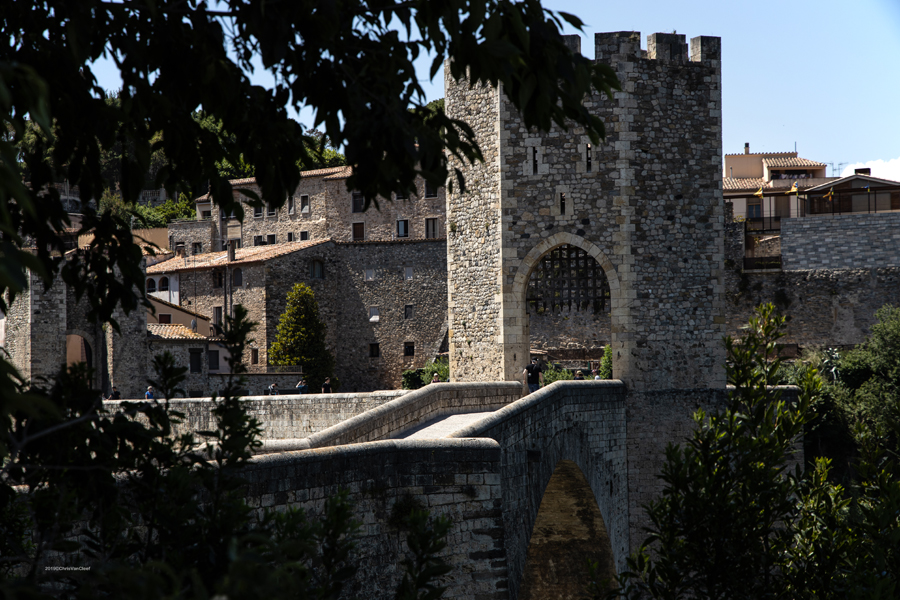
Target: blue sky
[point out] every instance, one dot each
(824, 74)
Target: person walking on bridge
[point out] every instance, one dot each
(533, 376)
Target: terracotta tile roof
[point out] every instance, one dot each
(243, 256)
(203, 198)
(246, 181)
(341, 173)
(173, 332)
(763, 154)
(739, 183)
(791, 162)
(334, 171)
(176, 307)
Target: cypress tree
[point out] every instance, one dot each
(300, 338)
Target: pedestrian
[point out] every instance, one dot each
(595, 374)
(533, 376)
(115, 394)
(273, 389)
(326, 387)
(435, 378)
(301, 386)
(579, 376)
(149, 394)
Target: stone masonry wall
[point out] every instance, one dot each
(459, 479)
(649, 210)
(850, 241)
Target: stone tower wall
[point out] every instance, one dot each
(647, 206)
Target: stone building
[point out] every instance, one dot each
(384, 303)
(320, 208)
(645, 206)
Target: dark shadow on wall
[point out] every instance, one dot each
(569, 531)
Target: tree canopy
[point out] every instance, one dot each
(300, 338)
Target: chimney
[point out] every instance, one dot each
(747, 148)
(231, 250)
(863, 171)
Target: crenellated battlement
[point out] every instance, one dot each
(625, 46)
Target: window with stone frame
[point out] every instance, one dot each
(271, 211)
(589, 159)
(409, 348)
(370, 275)
(430, 191)
(164, 318)
(290, 236)
(401, 195)
(304, 235)
(568, 278)
(304, 204)
(562, 203)
(374, 351)
(359, 232)
(196, 248)
(374, 314)
(408, 311)
(218, 278)
(217, 315)
(402, 228)
(213, 356)
(196, 364)
(291, 205)
(357, 202)
(257, 212)
(258, 240)
(206, 214)
(408, 273)
(254, 356)
(270, 238)
(237, 277)
(316, 269)
(431, 228)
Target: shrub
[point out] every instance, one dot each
(556, 373)
(300, 338)
(440, 366)
(605, 370)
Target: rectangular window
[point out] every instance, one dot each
(257, 212)
(206, 214)
(254, 356)
(408, 273)
(213, 360)
(562, 203)
(270, 239)
(402, 228)
(589, 158)
(196, 360)
(401, 195)
(179, 248)
(197, 248)
(217, 315)
(218, 279)
(370, 274)
(754, 211)
(358, 202)
(431, 227)
(291, 205)
(304, 204)
(374, 315)
(409, 348)
(408, 311)
(430, 190)
(374, 351)
(290, 236)
(534, 162)
(359, 232)
(304, 235)
(258, 240)
(164, 319)
(271, 211)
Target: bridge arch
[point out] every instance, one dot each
(516, 312)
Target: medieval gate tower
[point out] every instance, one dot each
(646, 205)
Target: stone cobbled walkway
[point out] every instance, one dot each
(442, 426)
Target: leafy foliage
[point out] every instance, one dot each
(426, 538)
(605, 370)
(440, 366)
(554, 373)
(300, 338)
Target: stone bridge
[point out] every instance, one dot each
(535, 486)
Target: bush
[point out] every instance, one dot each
(412, 379)
(556, 373)
(605, 370)
(440, 366)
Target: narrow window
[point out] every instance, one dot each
(236, 243)
(164, 319)
(370, 274)
(359, 232)
(217, 315)
(304, 235)
(270, 239)
(409, 348)
(237, 278)
(304, 204)
(258, 240)
(151, 286)
(206, 214)
(400, 195)
(197, 248)
(562, 203)
(254, 356)
(431, 226)
(257, 212)
(218, 279)
(408, 273)
(430, 190)
(358, 202)
(196, 360)
(534, 166)
(402, 228)
(164, 284)
(213, 360)
(374, 351)
(291, 205)
(589, 158)
(408, 311)
(374, 315)
(271, 211)
(290, 236)
(316, 270)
